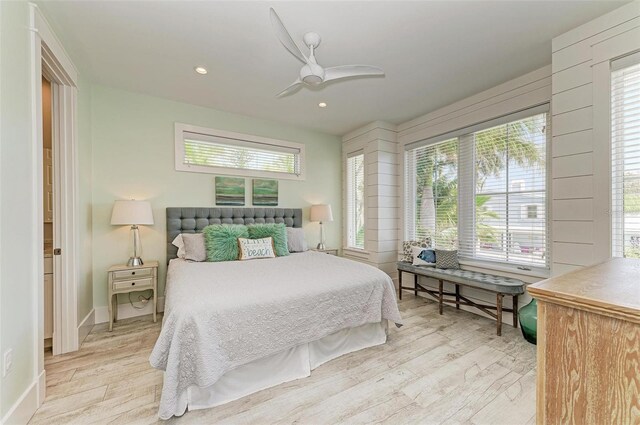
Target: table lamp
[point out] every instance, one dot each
(133, 213)
(321, 213)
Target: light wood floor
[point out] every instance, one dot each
(436, 369)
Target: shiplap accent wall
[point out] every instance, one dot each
(577, 86)
(378, 141)
(525, 92)
(581, 135)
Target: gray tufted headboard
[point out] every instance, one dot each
(193, 220)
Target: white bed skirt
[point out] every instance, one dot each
(287, 365)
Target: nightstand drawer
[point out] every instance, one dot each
(132, 274)
(133, 283)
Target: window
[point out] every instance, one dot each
(355, 201)
(432, 193)
(625, 157)
(530, 211)
(206, 150)
(483, 191)
(510, 164)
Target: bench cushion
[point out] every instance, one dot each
(489, 282)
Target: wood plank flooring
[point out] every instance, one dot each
(448, 369)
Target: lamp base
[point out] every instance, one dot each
(321, 246)
(135, 261)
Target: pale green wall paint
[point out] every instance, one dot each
(133, 157)
(85, 282)
(17, 277)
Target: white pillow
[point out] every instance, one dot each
(179, 243)
(295, 240)
(415, 252)
(194, 247)
(256, 248)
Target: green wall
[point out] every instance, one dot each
(17, 240)
(133, 157)
(85, 282)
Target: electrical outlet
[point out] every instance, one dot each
(8, 362)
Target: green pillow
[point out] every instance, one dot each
(277, 231)
(221, 241)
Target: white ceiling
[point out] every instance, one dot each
(433, 53)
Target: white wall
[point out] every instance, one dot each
(521, 93)
(133, 156)
(577, 85)
(18, 205)
(581, 135)
(378, 143)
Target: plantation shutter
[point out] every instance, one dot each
(214, 151)
(503, 193)
(355, 200)
(625, 156)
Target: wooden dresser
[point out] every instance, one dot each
(589, 345)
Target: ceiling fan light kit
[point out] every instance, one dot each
(312, 74)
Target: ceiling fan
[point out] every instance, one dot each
(311, 73)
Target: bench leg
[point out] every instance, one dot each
(515, 311)
(400, 284)
(457, 297)
(440, 295)
(499, 314)
(415, 285)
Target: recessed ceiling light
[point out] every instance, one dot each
(322, 105)
(200, 70)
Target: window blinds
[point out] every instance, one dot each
(505, 188)
(213, 151)
(355, 200)
(625, 157)
(431, 193)
(483, 191)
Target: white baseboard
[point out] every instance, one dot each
(86, 325)
(42, 387)
(23, 409)
(125, 311)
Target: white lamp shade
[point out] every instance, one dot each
(321, 213)
(131, 212)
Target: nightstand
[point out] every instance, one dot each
(330, 251)
(127, 279)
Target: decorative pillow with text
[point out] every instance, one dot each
(250, 249)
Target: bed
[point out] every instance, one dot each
(233, 328)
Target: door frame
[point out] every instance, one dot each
(50, 59)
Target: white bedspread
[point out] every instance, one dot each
(222, 315)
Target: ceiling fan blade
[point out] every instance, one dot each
(297, 85)
(285, 38)
(350, 71)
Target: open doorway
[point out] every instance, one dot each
(48, 213)
(60, 228)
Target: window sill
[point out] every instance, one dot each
(355, 252)
(489, 267)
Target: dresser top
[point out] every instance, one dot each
(611, 288)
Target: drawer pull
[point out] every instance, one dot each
(133, 273)
(133, 283)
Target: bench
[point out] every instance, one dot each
(499, 285)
